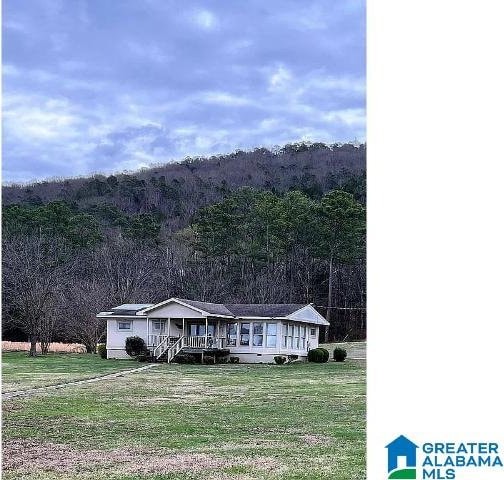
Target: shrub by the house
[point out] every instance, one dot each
(185, 358)
(143, 357)
(279, 359)
(325, 353)
(339, 354)
(318, 355)
(101, 349)
(234, 359)
(208, 359)
(135, 346)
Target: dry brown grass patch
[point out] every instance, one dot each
(315, 439)
(29, 456)
(55, 347)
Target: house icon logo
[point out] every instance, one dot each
(401, 459)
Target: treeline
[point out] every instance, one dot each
(64, 261)
(175, 192)
(84, 228)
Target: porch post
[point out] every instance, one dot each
(169, 328)
(148, 339)
(206, 332)
(183, 327)
(219, 334)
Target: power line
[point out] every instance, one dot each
(341, 308)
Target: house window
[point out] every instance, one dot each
(258, 329)
(313, 332)
(158, 325)
(200, 330)
(244, 334)
(231, 333)
(303, 337)
(124, 325)
(271, 335)
(291, 334)
(295, 343)
(284, 337)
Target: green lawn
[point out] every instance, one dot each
(241, 422)
(20, 372)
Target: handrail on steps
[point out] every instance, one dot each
(171, 350)
(161, 348)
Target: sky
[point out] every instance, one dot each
(102, 86)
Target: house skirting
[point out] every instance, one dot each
(118, 353)
(249, 357)
(261, 357)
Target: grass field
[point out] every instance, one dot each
(54, 347)
(19, 372)
(241, 422)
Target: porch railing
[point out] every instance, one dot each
(191, 341)
(173, 345)
(203, 342)
(155, 340)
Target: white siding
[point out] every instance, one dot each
(116, 339)
(174, 310)
(308, 314)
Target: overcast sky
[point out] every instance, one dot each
(112, 85)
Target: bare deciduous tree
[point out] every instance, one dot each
(33, 271)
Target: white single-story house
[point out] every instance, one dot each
(255, 333)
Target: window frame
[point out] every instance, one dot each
(119, 322)
(245, 334)
(230, 337)
(302, 336)
(285, 332)
(161, 323)
(260, 335)
(295, 339)
(290, 336)
(271, 335)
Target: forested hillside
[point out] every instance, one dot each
(175, 191)
(259, 226)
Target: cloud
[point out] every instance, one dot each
(92, 86)
(205, 19)
(224, 98)
(37, 119)
(280, 79)
(15, 26)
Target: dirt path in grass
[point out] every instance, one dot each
(33, 391)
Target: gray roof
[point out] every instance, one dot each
(263, 309)
(129, 308)
(246, 309)
(133, 306)
(213, 308)
(238, 310)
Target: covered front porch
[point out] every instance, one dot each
(197, 333)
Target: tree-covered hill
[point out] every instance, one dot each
(175, 191)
